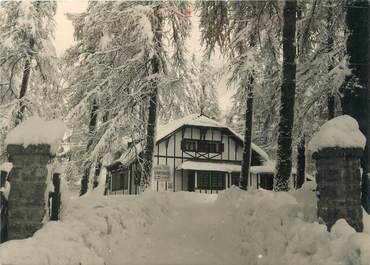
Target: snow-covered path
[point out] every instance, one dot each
(181, 236)
(183, 228)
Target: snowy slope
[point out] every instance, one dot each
(237, 227)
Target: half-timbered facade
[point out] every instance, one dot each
(194, 153)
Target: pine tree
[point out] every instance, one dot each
(355, 100)
(284, 153)
(330, 46)
(120, 64)
(236, 36)
(153, 100)
(27, 56)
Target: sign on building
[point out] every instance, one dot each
(162, 173)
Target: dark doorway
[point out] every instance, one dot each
(267, 181)
(191, 180)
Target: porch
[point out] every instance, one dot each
(206, 177)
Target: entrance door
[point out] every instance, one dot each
(191, 180)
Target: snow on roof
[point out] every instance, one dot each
(7, 167)
(205, 166)
(36, 131)
(342, 131)
(191, 120)
(131, 154)
(203, 121)
(267, 167)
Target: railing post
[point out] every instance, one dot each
(55, 198)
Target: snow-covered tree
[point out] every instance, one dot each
(288, 86)
(131, 66)
(28, 64)
(355, 100)
(236, 35)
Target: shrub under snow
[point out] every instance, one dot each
(237, 227)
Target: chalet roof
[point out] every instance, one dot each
(190, 120)
(202, 121)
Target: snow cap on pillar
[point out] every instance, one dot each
(35, 131)
(340, 132)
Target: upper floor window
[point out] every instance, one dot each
(203, 146)
(190, 145)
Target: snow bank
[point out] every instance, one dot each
(7, 167)
(235, 227)
(281, 228)
(36, 131)
(89, 229)
(342, 131)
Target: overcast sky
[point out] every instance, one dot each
(64, 39)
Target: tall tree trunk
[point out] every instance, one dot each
(355, 100)
(99, 160)
(248, 125)
(301, 162)
(24, 85)
(284, 152)
(330, 46)
(92, 130)
(153, 105)
(247, 152)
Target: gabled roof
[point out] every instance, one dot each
(191, 120)
(202, 121)
(195, 120)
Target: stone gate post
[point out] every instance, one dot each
(339, 186)
(28, 198)
(337, 148)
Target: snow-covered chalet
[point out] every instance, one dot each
(194, 153)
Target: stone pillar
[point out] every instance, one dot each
(27, 198)
(339, 185)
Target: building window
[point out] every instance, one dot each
(119, 180)
(190, 146)
(203, 180)
(267, 181)
(202, 146)
(217, 181)
(210, 180)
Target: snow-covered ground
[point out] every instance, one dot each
(235, 227)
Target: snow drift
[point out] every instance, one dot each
(237, 227)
